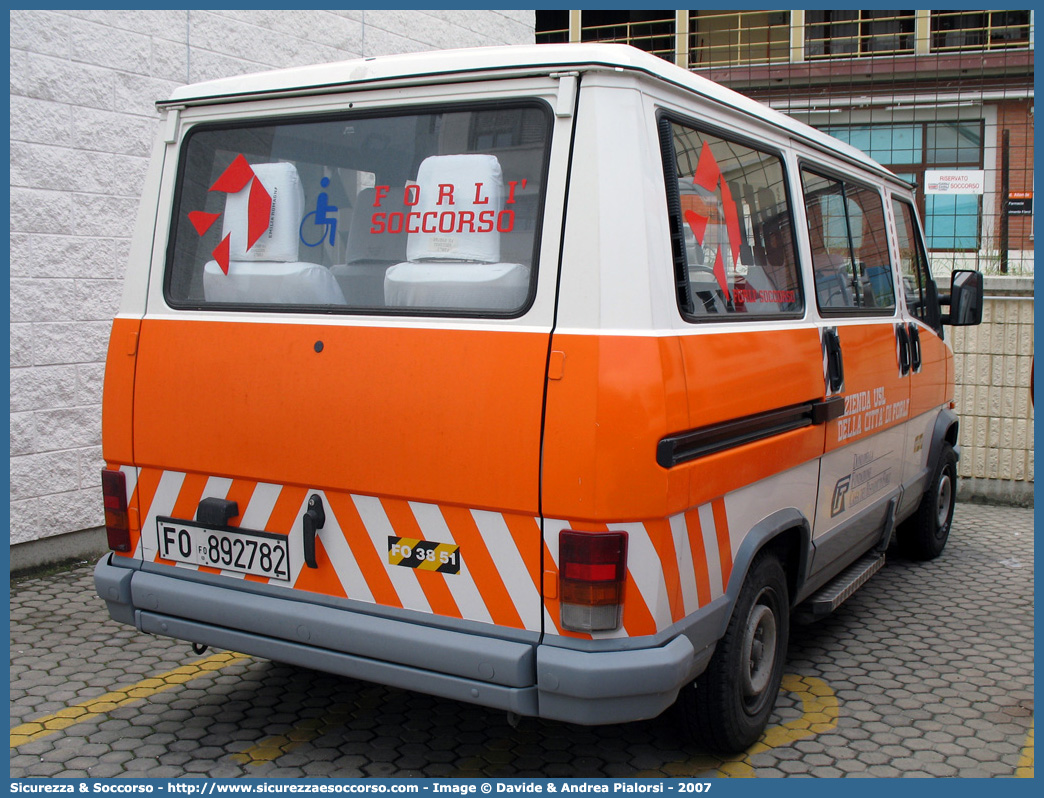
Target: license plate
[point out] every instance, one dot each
(424, 555)
(243, 551)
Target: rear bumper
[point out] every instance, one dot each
(517, 675)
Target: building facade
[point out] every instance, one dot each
(943, 98)
(83, 88)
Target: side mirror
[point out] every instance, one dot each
(965, 299)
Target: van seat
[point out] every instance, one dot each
(459, 269)
(268, 272)
(467, 286)
(369, 254)
(757, 278)
(271, 283)
(832, 289)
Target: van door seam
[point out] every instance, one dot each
(550, 347)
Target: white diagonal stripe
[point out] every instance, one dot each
(259, 508)
(162, 504)
(686, 567)
(379, 528)
(461, 585)
(710, 546)
(645, 568)
(510, 564)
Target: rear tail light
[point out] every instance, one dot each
(592, 571)
(117, 524)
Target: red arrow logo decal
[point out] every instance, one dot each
(234, 179)
(708, 177)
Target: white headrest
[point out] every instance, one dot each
(457, 224)
(279, 240)
(366, 246)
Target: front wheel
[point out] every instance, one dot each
(732, 700)
(923, 536)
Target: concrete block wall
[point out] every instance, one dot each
(993, 368)
(83, 85)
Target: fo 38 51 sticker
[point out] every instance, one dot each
(425, 555)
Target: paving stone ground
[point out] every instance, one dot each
(927, 671)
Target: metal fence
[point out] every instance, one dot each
(943, 98)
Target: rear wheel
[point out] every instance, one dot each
(732, 700)
(923, 536)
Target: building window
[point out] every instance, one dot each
(953, 31)
(552, 27)
(652, 31)
(840, 34)
(952, 222)
(719, 38)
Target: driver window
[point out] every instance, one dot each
(846, 230)
(913, 265)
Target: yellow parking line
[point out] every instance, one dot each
(63, 718)
(271, 748)
(1024, 770)
(274, 747)
(819, 714)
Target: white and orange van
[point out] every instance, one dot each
(552, 379)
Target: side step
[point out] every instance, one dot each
(834, 593)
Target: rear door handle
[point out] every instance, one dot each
(314, 520)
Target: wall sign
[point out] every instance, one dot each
(1020, 203)
(955, 181)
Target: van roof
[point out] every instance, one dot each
(466, 64)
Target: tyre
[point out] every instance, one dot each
(732, 700)
(923, 535)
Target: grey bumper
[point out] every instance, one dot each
(520, 676)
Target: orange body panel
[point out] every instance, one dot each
(507, 597)
(604, 419)
(877, 396)
(933, 385)
(429, 426)
(620, 395)
(423, 414)
(118, 395)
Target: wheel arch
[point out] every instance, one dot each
(947, 430)
(788, 534)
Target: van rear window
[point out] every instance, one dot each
(732, 237)
(430, 212)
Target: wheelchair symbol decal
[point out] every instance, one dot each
(327, 225)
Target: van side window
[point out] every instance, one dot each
(847, 233)
(914, 269)
(731, 230)
(435, 211)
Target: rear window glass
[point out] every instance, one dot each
(426, 212)
(731, 227)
